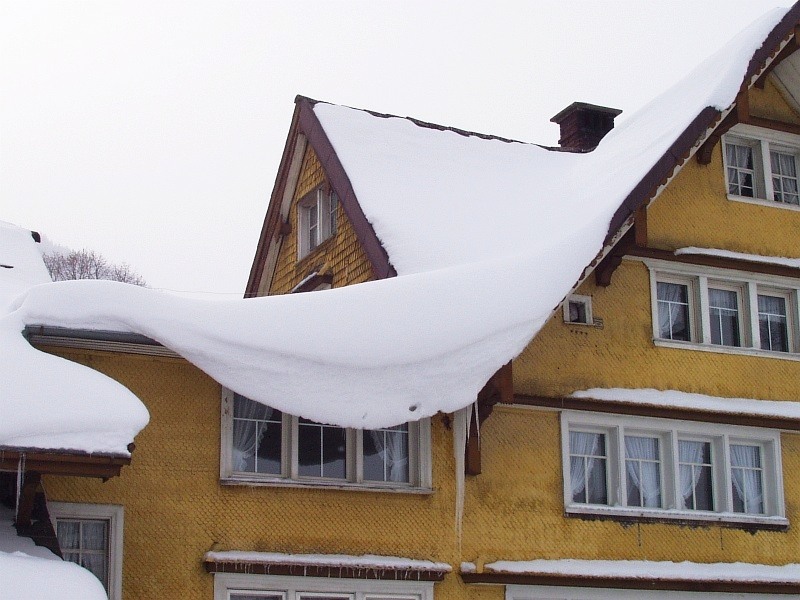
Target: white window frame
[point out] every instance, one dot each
(547, 592)
(669, 432)
(325, 200)
(300, 588)
(748, 287)
(114, 514)
(419, 460)
(762, 141)
(586, 301)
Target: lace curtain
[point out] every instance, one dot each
(585, 447)
(392, 446)
(673, 311)
(246, 431)
(691, 453)
(642, 465)
(748, 489)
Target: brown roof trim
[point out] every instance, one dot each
(340, 182)
(338, 571)
(662, 412)
(273, 215)
(63, 462)
(700, 125)
(751, 587)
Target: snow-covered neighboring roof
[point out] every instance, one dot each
(685, 400)
(487, 238)
(648, 570)
(30, 572)
(49, 402)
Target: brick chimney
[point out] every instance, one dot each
(584, 125)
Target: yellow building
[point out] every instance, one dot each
(643, 445)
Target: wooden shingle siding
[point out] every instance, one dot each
(341, 255)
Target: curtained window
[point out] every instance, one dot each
(772, 323)
(695, 472)
(587, 459)
(673, 311)
(723, 309)
(643, 471)
(747, 478)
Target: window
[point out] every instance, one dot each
(578, 309)
(670, 469)
(317, 213)
(237, 586)
(91, 536)
(260, 443)
(714, 310)
(761, 164)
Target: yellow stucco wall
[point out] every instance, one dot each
(521, 484)
(340, 254)
(176, 509)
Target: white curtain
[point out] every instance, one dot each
(747, 484)
(645, 476)
(582, 445)
(692, 453)
(672, 310)
(246, 432)
(392, 445)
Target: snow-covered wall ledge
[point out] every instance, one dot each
(688, 576)
(367, 566)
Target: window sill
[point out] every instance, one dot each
(763, 202)
(680, 517)
(742, 351)
(322, 484)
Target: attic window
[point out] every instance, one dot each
(578, 309)
(317, 219)
(762, 166)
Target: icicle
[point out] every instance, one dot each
(461, 426)
(20, 475)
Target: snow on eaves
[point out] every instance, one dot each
(650, 570)
(365, 561)
(701, 402)
(487, 237)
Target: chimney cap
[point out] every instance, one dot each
(595, 108)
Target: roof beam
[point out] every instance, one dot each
(60, 463)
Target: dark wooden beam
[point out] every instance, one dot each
(633, 583)
(607, 266)
(719, 262)
(30, 486)
(499, 389)
(662, 412)
(704, 152)
(61, 463)
(773, 124)
(787, 50)
(640, 226)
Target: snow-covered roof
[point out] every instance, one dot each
(364, 561)
(487, 237)
(49, 402)
(30, 572)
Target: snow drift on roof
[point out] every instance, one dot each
(487, 238)
(365, 561)
(49, 402)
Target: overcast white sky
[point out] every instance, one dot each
(152, 131)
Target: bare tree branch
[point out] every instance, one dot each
(88, 264)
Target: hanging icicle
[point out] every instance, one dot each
(20, 477)
(461, 428)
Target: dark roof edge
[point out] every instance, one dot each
(94, 339)
(272, 215)
(702, 124)
(311, 127)
(99, 335)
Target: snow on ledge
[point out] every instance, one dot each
(365, 561)
(649, 570)
(793, 263)
(700, 402)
